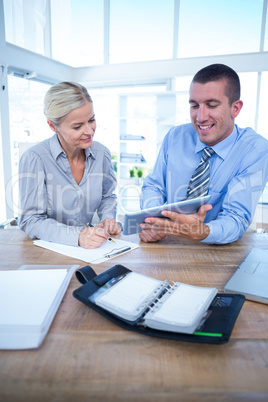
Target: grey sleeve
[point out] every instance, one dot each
(33, 204)
(108, 205)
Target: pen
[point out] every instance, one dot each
(113, 281)
(117, 252)
(92, 226)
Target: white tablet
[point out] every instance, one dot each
(134, 219)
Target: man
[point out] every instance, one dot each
(236, 164)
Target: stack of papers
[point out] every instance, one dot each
(29, 300)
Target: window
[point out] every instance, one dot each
(2, 187)
(25, 23)
(106, 108)
(182, 100)
(211, 27)
(106, 111)
(27, 124)
(76, 28)
(266, 33)
(141, 30)
(262, 122)
(77, 32)
(246, 117)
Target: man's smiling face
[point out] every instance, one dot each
(211, 114)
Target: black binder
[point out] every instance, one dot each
(216, 329)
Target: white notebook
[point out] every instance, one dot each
(176, 307)
(29, 300)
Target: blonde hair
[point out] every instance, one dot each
(62, 98)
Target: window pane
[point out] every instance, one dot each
(105, 104)
(182, 100)
(25, 23)
(211, 27)
(246, 117)
(77, 32)
(138, 117)
(141, 30)
(27, 122)
(266, 34)
(106, 108)
(2, 187)
(262, 123)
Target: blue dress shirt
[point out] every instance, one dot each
(238, 175)
(53, 206)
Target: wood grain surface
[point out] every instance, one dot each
(85, 357)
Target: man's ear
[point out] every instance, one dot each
(52, 126)
(236, 107)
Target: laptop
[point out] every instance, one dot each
(251, 278)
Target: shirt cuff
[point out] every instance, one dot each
(214, 234)
(71, 236)
(107, 216)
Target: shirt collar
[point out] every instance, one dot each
(223, 147)
(90, 152)
(56, 148)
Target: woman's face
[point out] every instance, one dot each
(77, 129)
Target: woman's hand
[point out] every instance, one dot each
(110, 226)
(92, 237)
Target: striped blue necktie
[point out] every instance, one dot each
(198, 185)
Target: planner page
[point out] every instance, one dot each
(181, 308)
(129, 297)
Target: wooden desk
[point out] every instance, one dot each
(87, 358)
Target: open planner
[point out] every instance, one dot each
(156, 304)
(160, 308)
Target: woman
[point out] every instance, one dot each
(65, 179)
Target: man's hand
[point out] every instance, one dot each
(92, 237)
(110, 226)
(189, 226)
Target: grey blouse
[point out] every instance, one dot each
(53, 206)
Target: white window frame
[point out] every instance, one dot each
(43, 68)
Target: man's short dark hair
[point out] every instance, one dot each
(218, 72)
